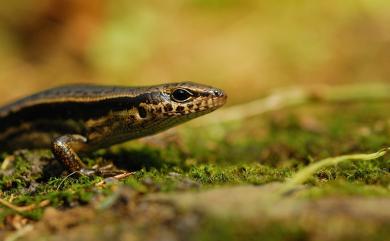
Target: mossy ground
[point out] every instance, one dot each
(257, 151)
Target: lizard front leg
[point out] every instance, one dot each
(65, 150)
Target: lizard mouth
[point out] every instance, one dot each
(220, 100)
(217, 100)
(202, 107)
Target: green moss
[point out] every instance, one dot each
(259, 151)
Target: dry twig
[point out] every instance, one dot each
(117, 177)
(27, 208)
(301, 176)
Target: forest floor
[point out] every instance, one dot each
(219, 181)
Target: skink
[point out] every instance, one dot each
(79, 119)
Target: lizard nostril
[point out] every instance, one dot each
(218, 93)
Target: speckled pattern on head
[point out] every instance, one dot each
(155, 110)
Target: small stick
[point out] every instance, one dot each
(301, 176)
(117, 177)
(22, 209)
(68, 176)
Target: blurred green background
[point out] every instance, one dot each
(247, 47)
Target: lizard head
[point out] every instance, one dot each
(144, 111)
(191, 99)
(171, 104)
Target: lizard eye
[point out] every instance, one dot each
(181, 95)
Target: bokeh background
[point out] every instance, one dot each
(247, 47)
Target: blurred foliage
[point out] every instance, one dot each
(230, 43)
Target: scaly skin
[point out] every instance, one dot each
(83, 118)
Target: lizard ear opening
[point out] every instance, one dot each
(142, 112)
